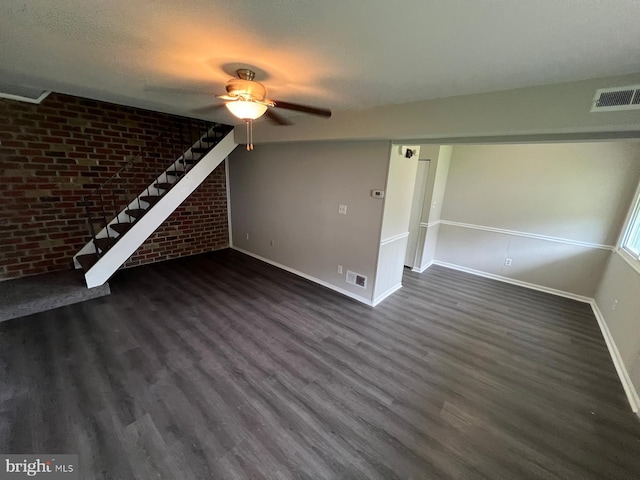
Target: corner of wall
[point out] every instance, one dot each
(625, 379)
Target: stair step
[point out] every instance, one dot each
(135, 212)
(150, 199)
(222, 129)
(189, 161)
(175, 173)
(200, 149)
(87, 261)
(104, 243)
(163, 186)
(121, 227)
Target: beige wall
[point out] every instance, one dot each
(546, 110)
(578, 191)
(567, 268)
(289, 194)
(622, 283)
(541, 205)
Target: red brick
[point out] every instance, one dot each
(33, 137)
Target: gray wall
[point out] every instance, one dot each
(552, 109)
(622, 283)
(289, 194)
(553, 200)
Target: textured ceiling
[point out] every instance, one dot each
(341, 54)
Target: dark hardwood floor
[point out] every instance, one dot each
(220, 366)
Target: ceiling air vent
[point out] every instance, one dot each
(617, 98)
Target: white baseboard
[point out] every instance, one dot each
(500, 278)
(346, 293)
(422, 268)
(393, 289)
(632, 394)
(629, 389)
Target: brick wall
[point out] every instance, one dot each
(55, 153)
(198, 225)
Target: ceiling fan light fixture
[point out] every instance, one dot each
(246, 109)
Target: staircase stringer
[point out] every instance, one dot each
(113, 258)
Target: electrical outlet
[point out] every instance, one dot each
(615, 304)
(340, 269)
(507, 262)
(342, 209)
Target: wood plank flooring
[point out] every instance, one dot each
(220, 366)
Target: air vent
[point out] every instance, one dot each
(617, 98)
(356, 279)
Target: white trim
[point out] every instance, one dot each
(381, 297)
(228, 188)
(629, 217)
(422, 268)
(500, 278)
(632, 262)
(629, 389)
(330, 286)
(393, 239)
(20, 98)
(633, 215)
(427, 225)
(549, 238)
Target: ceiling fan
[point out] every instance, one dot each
(247, 100)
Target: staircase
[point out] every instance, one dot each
(120, 225)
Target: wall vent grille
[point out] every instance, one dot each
(356, 279)
(617, 98)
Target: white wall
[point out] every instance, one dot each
(417, 205)
(622, 283)
(289, 194)
(434, 196)
(540, 111)
(554, 209)
(394, 234)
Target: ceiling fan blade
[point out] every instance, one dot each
(208, 108)
(321, 112)
(277, 119)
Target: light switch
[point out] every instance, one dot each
(342, 209)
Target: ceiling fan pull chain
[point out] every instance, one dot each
(249, 134)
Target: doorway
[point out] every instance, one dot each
(416, 212)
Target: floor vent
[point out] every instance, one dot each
(356, 279)
(617, 98)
